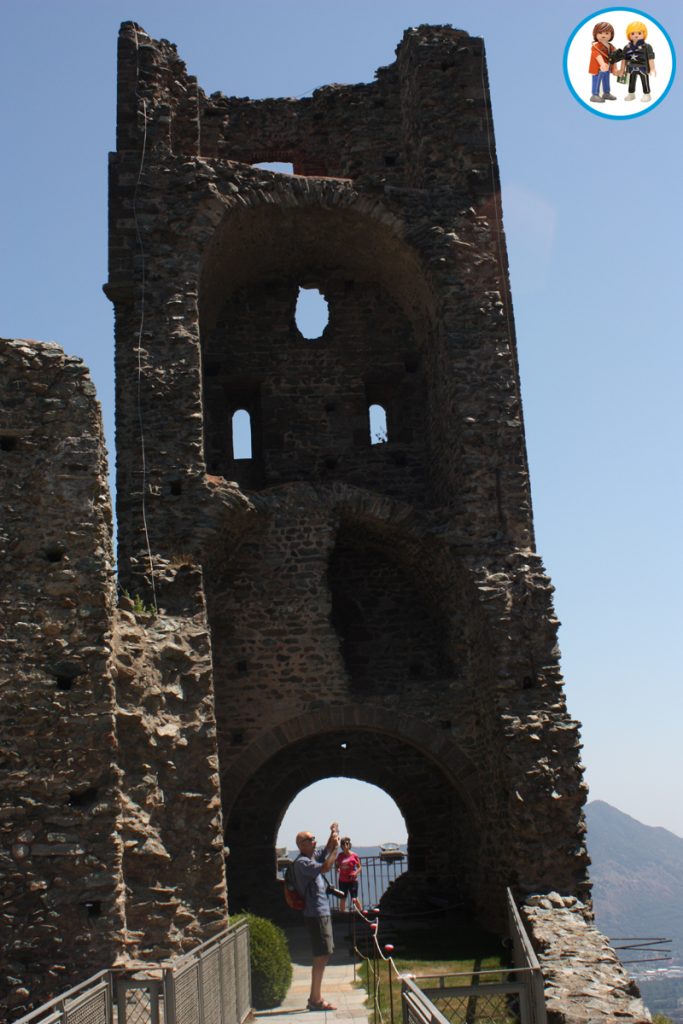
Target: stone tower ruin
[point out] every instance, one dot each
(326, 606)
(375, 610)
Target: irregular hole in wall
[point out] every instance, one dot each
(175, 487)
(64, 674)
(54, 551)
(312, 313)
(83, 798)
(8, 442)
(93, 908)
(279, 166)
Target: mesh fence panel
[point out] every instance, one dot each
(480, 1008)
(138, 1006)
(227, 962)
(242, 987)
(89, 1009)
(186, 984)
(210, 970)
(413, 1012)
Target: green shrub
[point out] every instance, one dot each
(271, 964)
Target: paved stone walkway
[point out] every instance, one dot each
(338, 985)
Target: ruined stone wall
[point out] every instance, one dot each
(327, 607)
(405, 241)
(584, 981)
(171, 825)
(63, 908)
(111, 834)
(308, 399)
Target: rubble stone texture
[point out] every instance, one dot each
(327, 606)
(62, 901)
(584, 981)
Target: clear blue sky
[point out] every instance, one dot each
(592, 211)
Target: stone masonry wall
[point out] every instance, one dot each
(171, 824)
(60, 850)
(111, 834)
(394, 214)
(584, 981)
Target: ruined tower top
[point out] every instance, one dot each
(393, 214)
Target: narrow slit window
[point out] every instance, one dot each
(312, 313)
(378, 424)
(241, 434)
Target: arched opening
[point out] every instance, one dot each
(393, 635)
(439, 814)
(241, 434)
(366, 815)
(379, 433)
(307, 352)
(364, 811)
(312, 313)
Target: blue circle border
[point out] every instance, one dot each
(591, 109)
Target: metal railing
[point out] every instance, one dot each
(88, 1003)
(485, 1000)
(209, 985)
(377, 874)
(498, 995)
(523, 956)
(212, 984)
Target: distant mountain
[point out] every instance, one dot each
(637, 874)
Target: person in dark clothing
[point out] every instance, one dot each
(638, 61)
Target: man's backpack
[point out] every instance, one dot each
(293, 898)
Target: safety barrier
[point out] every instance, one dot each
(505, 995)
(88, 1003)
(209, 985)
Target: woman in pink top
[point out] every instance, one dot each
(349, 867)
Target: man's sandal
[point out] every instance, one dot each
(322, 1005)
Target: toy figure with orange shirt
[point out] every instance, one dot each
(600, 64)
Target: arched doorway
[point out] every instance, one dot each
(440, 817)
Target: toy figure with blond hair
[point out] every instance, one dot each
(599, 67)
(638, 61)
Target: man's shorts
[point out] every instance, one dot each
(320, 933)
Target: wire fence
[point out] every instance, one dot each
(506, 995)
(209, 985)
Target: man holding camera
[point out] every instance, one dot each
(308, 871)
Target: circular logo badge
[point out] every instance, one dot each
(619, 63)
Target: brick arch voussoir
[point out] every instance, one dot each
(460, 770)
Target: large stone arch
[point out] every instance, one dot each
(285, 700)
(302, 226)
(308, 405)
(435, 786)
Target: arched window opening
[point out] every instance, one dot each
(275, 165)
(378, 424)
(312, 313)
(241, 434)
(365, 813)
